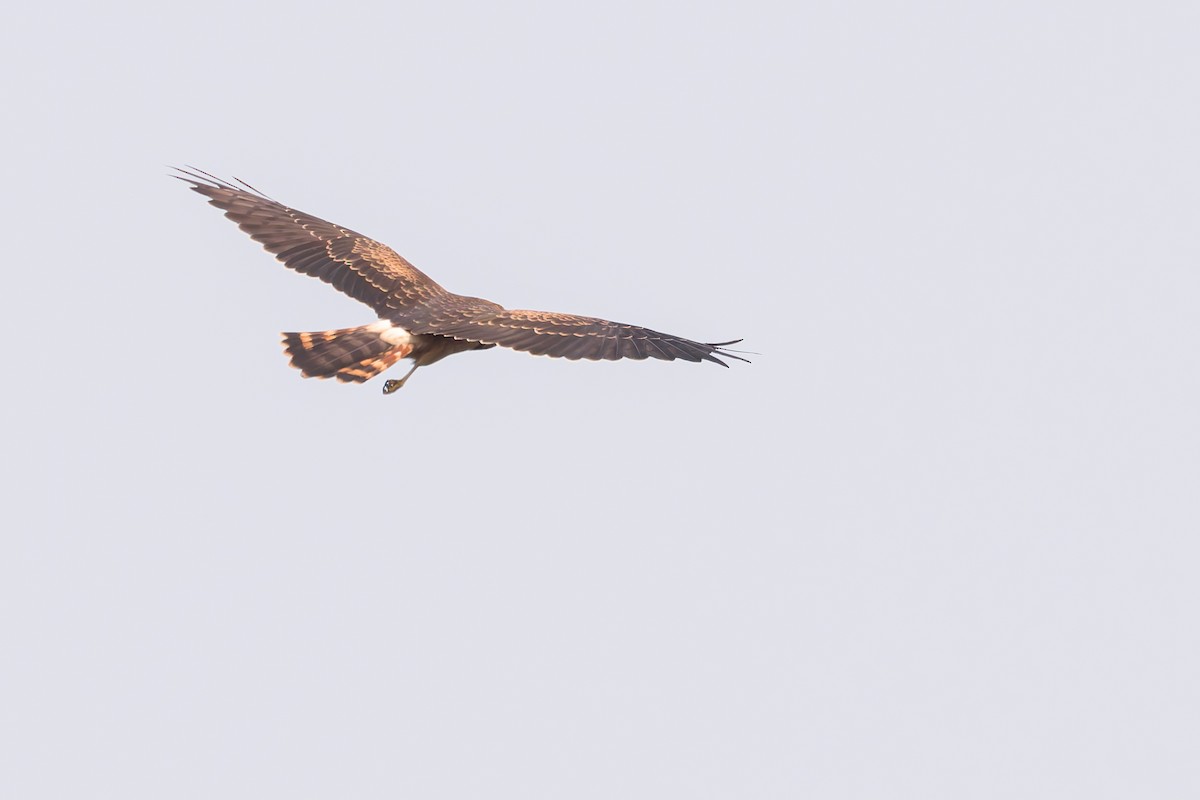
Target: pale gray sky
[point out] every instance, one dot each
(938, 541)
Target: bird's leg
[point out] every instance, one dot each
(393, 385)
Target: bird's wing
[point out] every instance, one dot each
(361, 267)
(568, 336)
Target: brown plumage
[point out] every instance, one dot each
(350, 354)
(418, 318)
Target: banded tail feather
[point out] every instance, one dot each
(348, 354)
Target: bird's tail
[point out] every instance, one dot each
(349, 354)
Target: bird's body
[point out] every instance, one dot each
(418, 319)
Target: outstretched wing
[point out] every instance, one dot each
(568, 336)
(363, 268)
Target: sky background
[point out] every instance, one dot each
(938, 541)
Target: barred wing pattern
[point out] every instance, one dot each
(354, 264)
(572, 337)
(376, 275)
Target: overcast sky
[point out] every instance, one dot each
(938, 541)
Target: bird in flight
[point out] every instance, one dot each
(418, 319)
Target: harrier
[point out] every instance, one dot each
(418, 319)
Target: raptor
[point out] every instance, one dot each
(418, 319)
